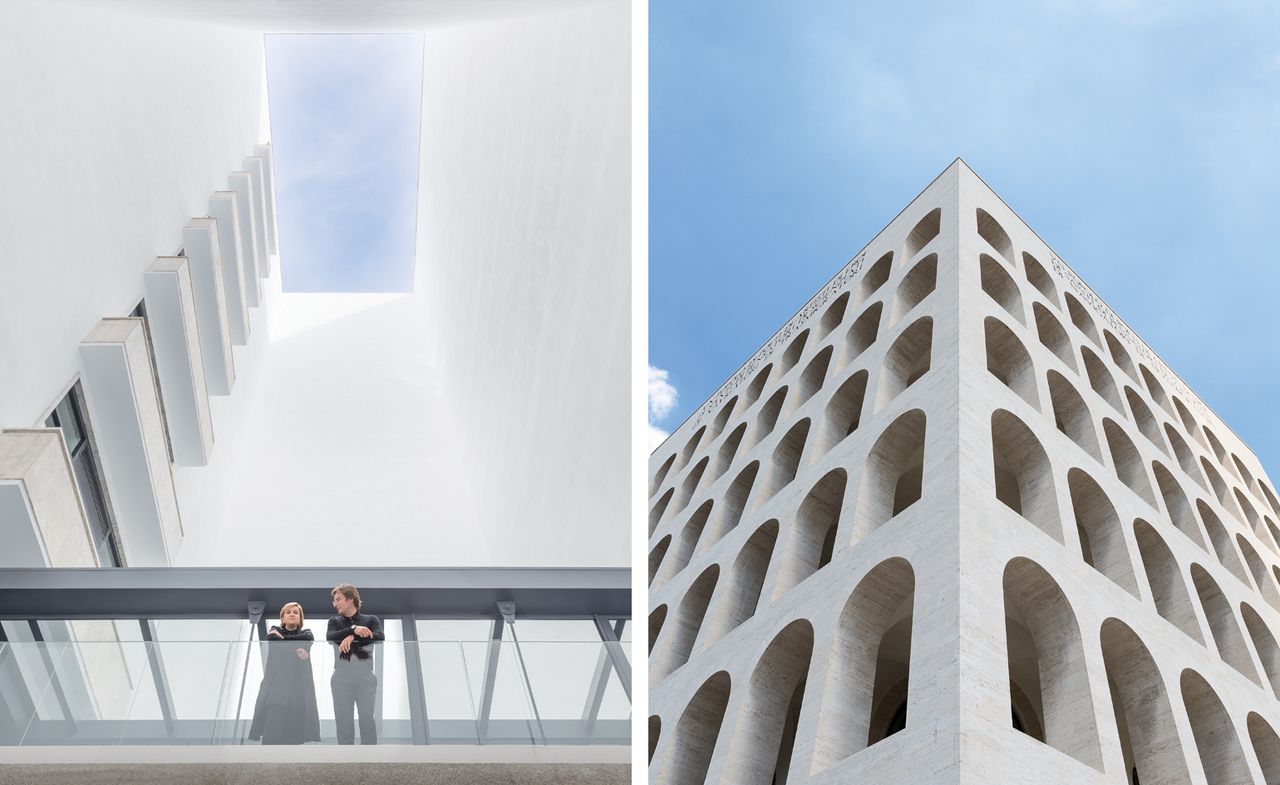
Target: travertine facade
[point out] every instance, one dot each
(955, 491)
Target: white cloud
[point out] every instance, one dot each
(662, 394)
(656, 437)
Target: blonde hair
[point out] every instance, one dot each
(302, 619)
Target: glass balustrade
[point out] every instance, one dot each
(135, 692)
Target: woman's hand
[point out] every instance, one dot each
(275, 632)
(302, 654)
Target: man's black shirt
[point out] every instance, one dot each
(340, 627)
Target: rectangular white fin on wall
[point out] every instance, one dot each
(263, 151)
(200, 238)
(224, 208)
(44, 520)
(258, 179)
(125, 409)
(175, 337)
(246, 210)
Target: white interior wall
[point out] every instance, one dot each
(345, 442)
(115, 130)
(523, 263)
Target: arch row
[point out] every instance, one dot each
(788, 545)
(1025, 480)
(852, 692)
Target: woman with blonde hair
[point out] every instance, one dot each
(286, 709)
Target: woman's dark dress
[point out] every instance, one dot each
(286, 710)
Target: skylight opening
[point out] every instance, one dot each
(346, 123)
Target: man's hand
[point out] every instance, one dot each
(302, 654)
(363, 632)
(345, 646)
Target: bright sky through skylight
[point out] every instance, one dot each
(345, 126)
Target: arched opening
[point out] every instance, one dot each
(990, 230)
(656, 556)
(1157, 391)
(1273, 535)
(1266, 745)
(1052, 335)
(1101, 536)
(1270, 497)
(1081, 319)
(1071, 415)
(1266, 586)
(1214, 444)
(656, 617)
(765, 735)
(843, 413)
(722, 417)
(1023, 475)
(907, 360)
(745, 582)
(1218, 487)
(1176, 504)
(875, 277)
(786, 458)
(735, 501)
(656, 512)
(1008, 361)
(1145, 421)
(1128, 463)
(728, 451)
(1144, 717)
(688, 621)
(756, 387)
(865, 694)
(923, 232)
(1046, 663)
(686, 543)
(1185, 459)
(999, 286)
(1038, 277)
(1250, 515)
(1188, 421)
(1264, 643)
(690, 446)
(792, 355)
(813, 536)
(1222, 624)
(915, 286)
(655, 730)
(1120, 355)
(815, 373)
(863, 333)
(1164, 577)
(1221, 541)
(1100, 378)
(768, 416)
(694, 741)
(1242, 471)
(661, 475)
(833, 316)
(893, 475)
(1216, 741)
(690, 484)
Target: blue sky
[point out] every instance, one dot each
(1141, 140)
(345, 127)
